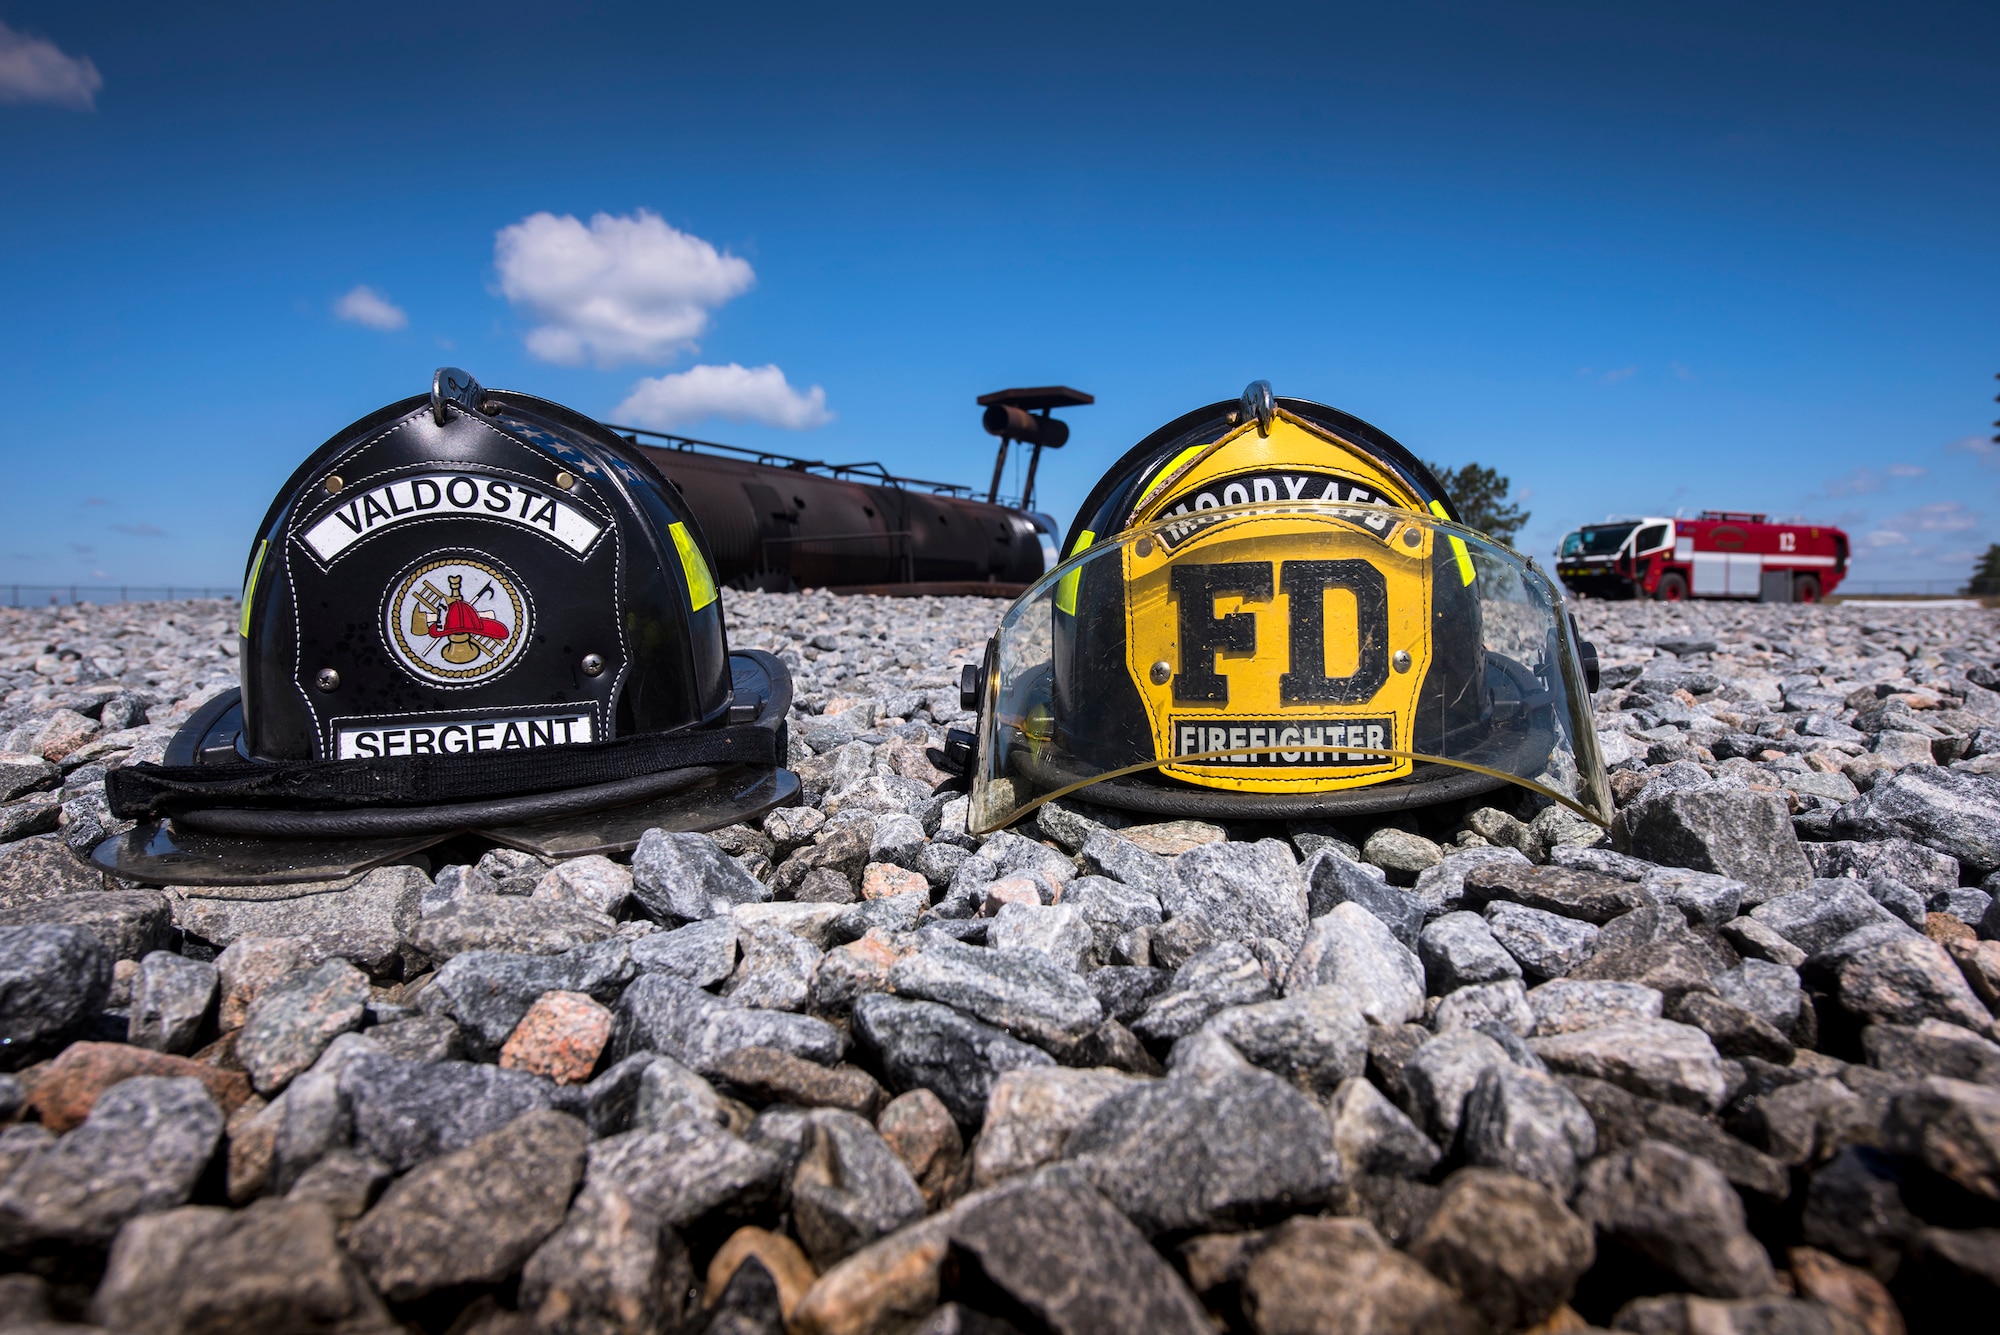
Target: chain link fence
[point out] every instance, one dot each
(60, 595)
(1924, 588)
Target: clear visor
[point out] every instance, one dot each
(1305, 659)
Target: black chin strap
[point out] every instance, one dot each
(139, 791)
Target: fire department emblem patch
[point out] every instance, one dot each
(457, 620)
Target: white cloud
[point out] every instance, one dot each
(739, 393)
(1622, 373)
(33, 69)
(1942, 517)
(1939, 517)
(364, 305)
(1983, 448)
(1862, 480)
(1857, 482)
(623, 289)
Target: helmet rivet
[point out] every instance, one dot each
(565, 481)
(1402, 660)
(592, 664)
(1411, 537)
(1161, 671)
(327, 680)
(333, 483)
(1143, 547)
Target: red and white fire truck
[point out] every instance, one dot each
(1723, 554)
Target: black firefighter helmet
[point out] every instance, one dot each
(1268, 608)
(472, 611)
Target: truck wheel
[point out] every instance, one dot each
(1806, 589)
(1673, 587)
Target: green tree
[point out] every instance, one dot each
(1481, 497)
(1986, 574)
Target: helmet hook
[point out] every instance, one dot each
(451, 385)
(1257, 403)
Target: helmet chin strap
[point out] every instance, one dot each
(138, 791)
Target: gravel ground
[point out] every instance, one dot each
(1727, 1068)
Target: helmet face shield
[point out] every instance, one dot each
(1300, 658)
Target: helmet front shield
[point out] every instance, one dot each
(1298, 659)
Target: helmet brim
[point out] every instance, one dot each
(1523, 749)
(226, 845)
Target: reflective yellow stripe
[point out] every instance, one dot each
(1164, 474)
(250, 589)
(701, 584)
(1457, 545)
(1066, 586)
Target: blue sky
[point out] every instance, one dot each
(1685, 258)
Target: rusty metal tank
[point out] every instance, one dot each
(778, 523)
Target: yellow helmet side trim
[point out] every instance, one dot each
(1170, 472)
(250, 589)
(1066, 587)
(701, 584)
(1457, 546)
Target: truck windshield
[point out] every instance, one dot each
(1572, 544)
(1605, 539)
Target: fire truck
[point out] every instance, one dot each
(1722, 554)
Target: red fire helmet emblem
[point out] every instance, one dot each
(471, 628)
